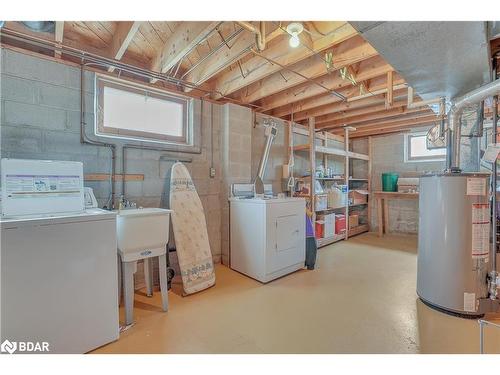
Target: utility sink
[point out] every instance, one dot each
(142, 229)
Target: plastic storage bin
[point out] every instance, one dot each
(340, 224)
(390, 181)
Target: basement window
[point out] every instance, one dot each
(416, 149)
(133, 111)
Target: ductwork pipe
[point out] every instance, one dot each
(455, 113)
(270, 132)
(260, 33)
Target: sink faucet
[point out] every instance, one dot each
(125, 203)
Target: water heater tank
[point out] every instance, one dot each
(454, 241)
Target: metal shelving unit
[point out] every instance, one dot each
(323, 150)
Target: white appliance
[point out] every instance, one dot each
(59, 281)
(267, 236)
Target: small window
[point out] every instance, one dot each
(416, 149)
(133, 111)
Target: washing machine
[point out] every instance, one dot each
(59, 281)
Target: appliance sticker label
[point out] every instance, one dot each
(28, 186)
(476, 186)
(480, 213)
(469, 302)
(480, 230)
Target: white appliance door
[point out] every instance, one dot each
(286, 236)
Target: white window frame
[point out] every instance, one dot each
(407, 150)
(101, 130)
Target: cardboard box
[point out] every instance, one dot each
(358, 196)
(353, 221)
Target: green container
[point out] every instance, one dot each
(390, 181)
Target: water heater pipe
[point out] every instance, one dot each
(455, 113)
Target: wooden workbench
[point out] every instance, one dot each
(381, 197)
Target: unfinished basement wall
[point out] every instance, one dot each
(40, 119)
(388, 156)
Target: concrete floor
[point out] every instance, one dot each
(360, 299)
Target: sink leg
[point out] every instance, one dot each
(148, 274)
(162, 260)
(128, 290)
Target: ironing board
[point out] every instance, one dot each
(190, 232)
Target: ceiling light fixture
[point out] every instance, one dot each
(294, 29)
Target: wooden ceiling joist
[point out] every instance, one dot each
(389, 97)
(391, 129)
(259, 67)
(372, 116)
(396, 123)
(125, 32)
(228, 55)
(351, 51)
(185, 37)
(351, 92)
(346, 106)
(369, 69)
(58, 36)
(356, 112)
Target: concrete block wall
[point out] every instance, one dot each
(40, 119)
(236, 161)
(388, 156)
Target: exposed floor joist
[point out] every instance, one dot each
(183, 40)
(59, 35)
(122, 38)
(258, 68)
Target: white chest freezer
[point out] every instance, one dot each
(267, 236)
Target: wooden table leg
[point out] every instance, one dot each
(386, 216)
(380, 217)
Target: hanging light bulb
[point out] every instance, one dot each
(294, 40)
(294, 29)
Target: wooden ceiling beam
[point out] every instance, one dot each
(347, 105)
(351, 92)
(349, 52)
(59, 36)
(389, 130)
(184, 38)
(227, 56)
(385, 114)
(389, 98)
(369, 69)
(406, 122)
(356, 112)
(125, 32)
(259, 67)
